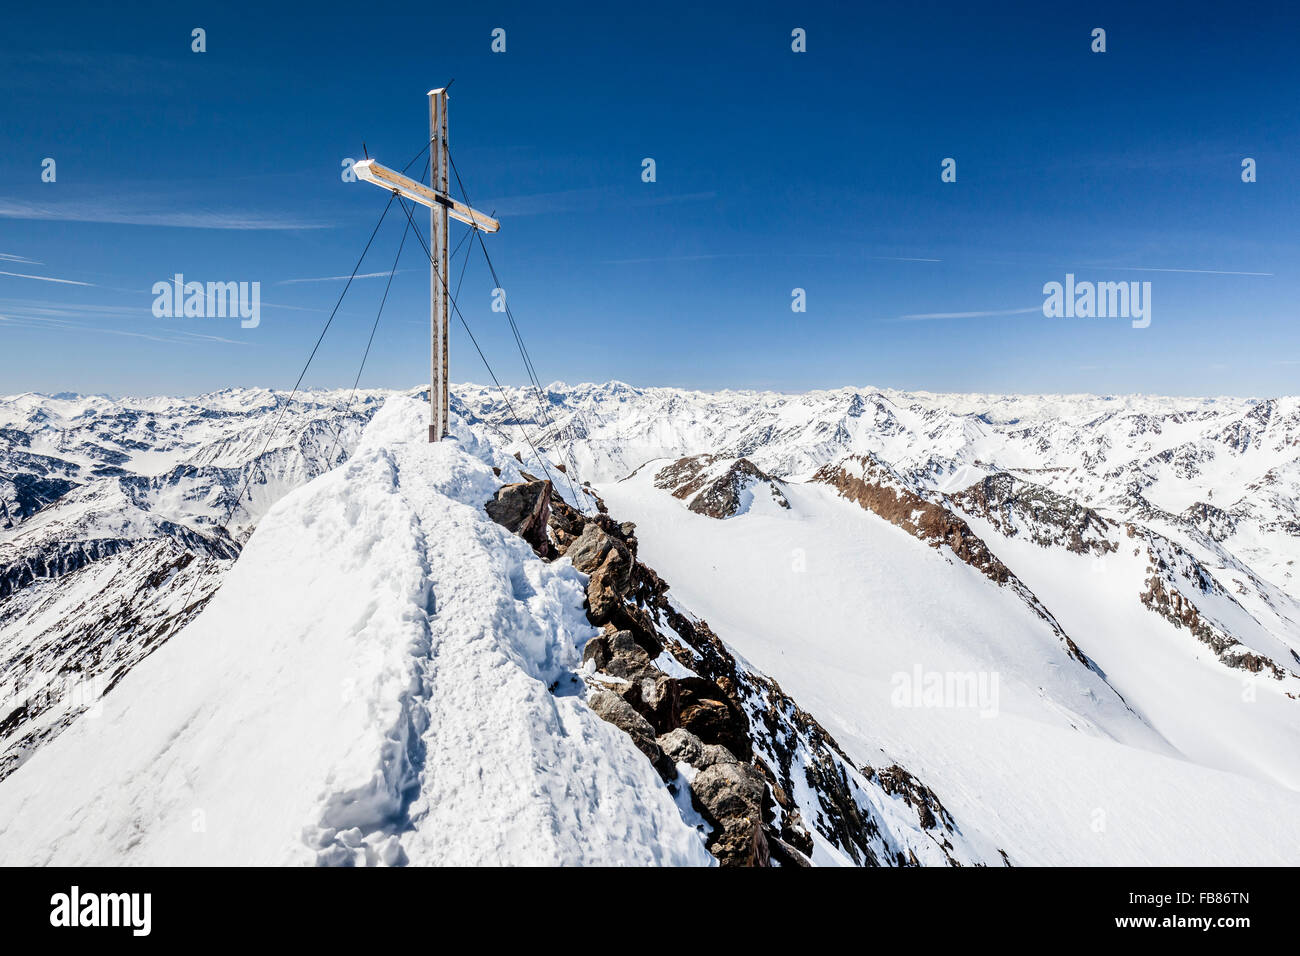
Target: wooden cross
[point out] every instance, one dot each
(441, 205)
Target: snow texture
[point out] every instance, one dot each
(370, 685)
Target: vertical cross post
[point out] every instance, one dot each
(438, 291)
(441, 206)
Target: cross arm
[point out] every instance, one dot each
(373, 172)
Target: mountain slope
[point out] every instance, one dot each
(851, 614)
(944, 628)
(111, 528)
(369, 685)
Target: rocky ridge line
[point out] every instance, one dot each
(761, 771)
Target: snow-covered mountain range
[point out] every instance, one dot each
(851, 626)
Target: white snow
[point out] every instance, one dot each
(387, 677)
(369, 685)
(835, 604)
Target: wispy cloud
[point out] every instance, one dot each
(24, 275)
(919, 316)
(1203, 272)
(211, 338)
(12, 258)
(45, 308)
(165, 336)
(109, 212)
(363, 275)
(291, 308)
(95, 318)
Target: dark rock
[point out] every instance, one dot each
(631, 618)
(592, 549)
(710, 715)
(741, 844)
(627, 658)
(728, 790)
(713, 754)
(796, 834)
(524, 508)
(566, 523)
(609, 561)
(604, 596)
(614, 709)
(597, 651)
(681, 745)
(785, 853)
(684, 747)
(730, 797)
(654, 696)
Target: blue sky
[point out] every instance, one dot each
(775, 170)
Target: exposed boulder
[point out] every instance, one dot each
(730, 790)
(592, 548)
(604, 595)
(614, 709)
(713, 754)
(566, 523)
(524, 508)
(618, 654)
(655, 698)
(682, 746)
(603, 552)
(638, 623)
(730, 797)
(707, 712)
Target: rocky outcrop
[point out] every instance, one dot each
(877, 488)
(615, 709)
(874, 486)
(524, 508)
(715, 486)
(93, 625)
(1169, 571)
(730, 796)
(1013, 506)
(1215, 522)
(761, 771)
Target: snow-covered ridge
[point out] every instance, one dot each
(386, 677)
(1158, 534)
(368, 686)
